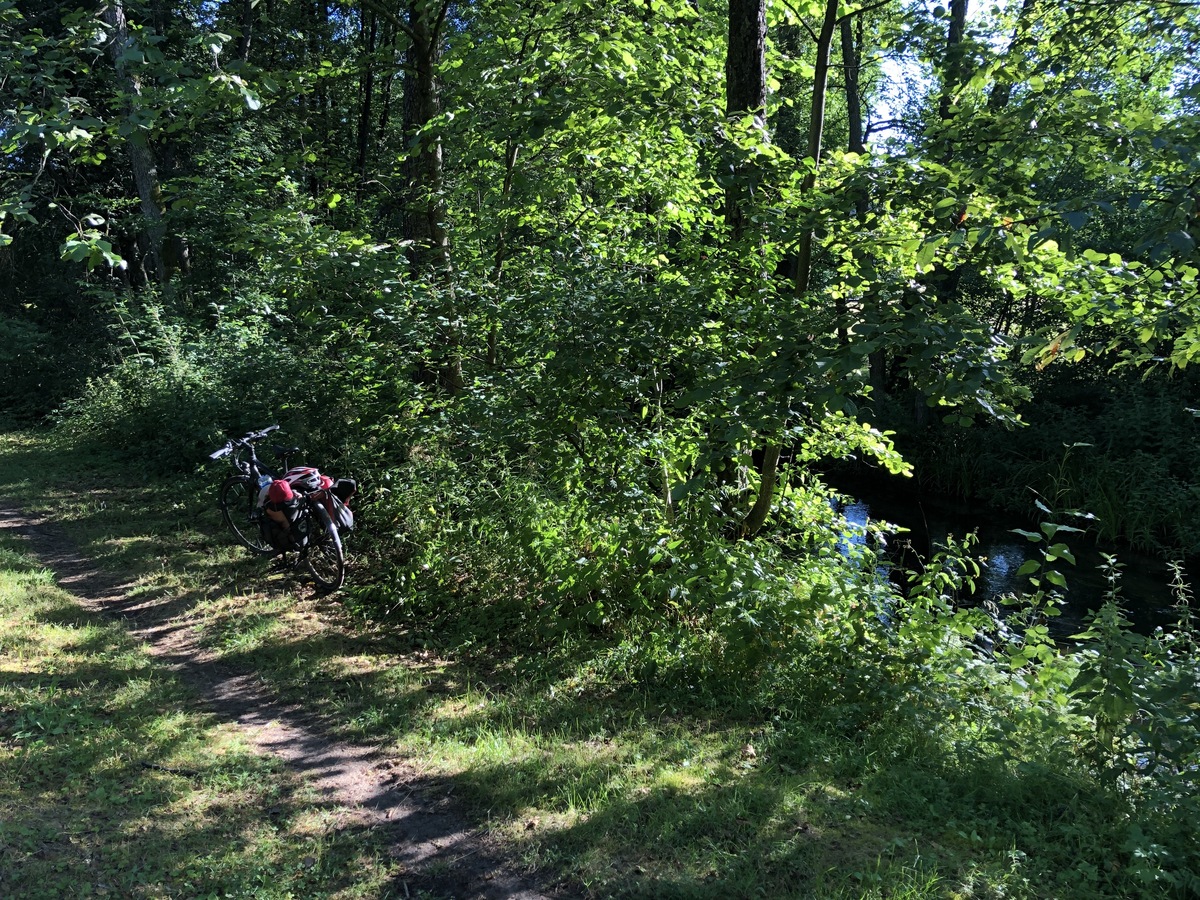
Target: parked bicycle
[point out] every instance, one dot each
(276, 511)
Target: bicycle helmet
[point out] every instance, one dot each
(303, 479)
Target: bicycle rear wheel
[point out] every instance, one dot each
(239, 496)
(325, 556)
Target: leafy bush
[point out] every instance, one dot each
(165, 410)
(37, 369)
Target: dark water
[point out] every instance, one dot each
(1145, 584)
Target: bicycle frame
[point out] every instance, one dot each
(325, 558)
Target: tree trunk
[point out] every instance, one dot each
(370, 31)
(816, 132)
(852, 42)
(852, 62)
(141, 156)
(816, 128)
(385, 101)
(426, 219)
(745, 89)
(954, 62)
(318, 118)
(511, 149)
(424, 167)
(745, 93)
(247, 35)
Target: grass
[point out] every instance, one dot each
(112, 783)
(620, 788)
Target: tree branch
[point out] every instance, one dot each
(863, 9)
(396, 22)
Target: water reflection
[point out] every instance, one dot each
(1145, 581)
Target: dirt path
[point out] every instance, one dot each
(368, 788)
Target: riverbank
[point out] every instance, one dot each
(1122, 446)
(926, 521)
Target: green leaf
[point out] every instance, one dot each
(1060, 551)
(927, 252)
(1076, 219)
(1182, 241)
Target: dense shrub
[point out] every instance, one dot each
(38, 370)
(166, 410)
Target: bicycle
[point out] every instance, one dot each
(314, 532)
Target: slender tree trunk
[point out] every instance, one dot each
(426, 221)
(954, 62)
(425, 206)
(816, 133)
(852, 43)
(141, 156)
(511, 149)
(852, 61)
(385, 100)
(370, 31)
(318, 118)
(769, 471)
(265, 19)
(247, 35)
(745, 89)
(745, 93)
(423, 167)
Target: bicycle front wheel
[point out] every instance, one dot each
(326, 557)
(239, 509)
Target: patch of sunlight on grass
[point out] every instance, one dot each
(113, 785)
(677, 780)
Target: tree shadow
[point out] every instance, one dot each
(778, 825)
(108, 785)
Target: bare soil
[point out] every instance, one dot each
(439, 851)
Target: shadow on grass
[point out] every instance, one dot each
(307, 797)
(641, 789)
(642, 802)
(111, 783)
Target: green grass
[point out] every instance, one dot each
(112, 784)
(622, 787)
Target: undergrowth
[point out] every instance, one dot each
(652, 709)
(1123, 448)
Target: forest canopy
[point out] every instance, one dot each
(854, 205)
(669, 254)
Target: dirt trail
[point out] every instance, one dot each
(368, 788)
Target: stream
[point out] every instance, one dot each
(1145, 584)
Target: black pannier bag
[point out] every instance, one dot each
(345, 488)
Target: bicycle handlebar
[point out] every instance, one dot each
(243, 441)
